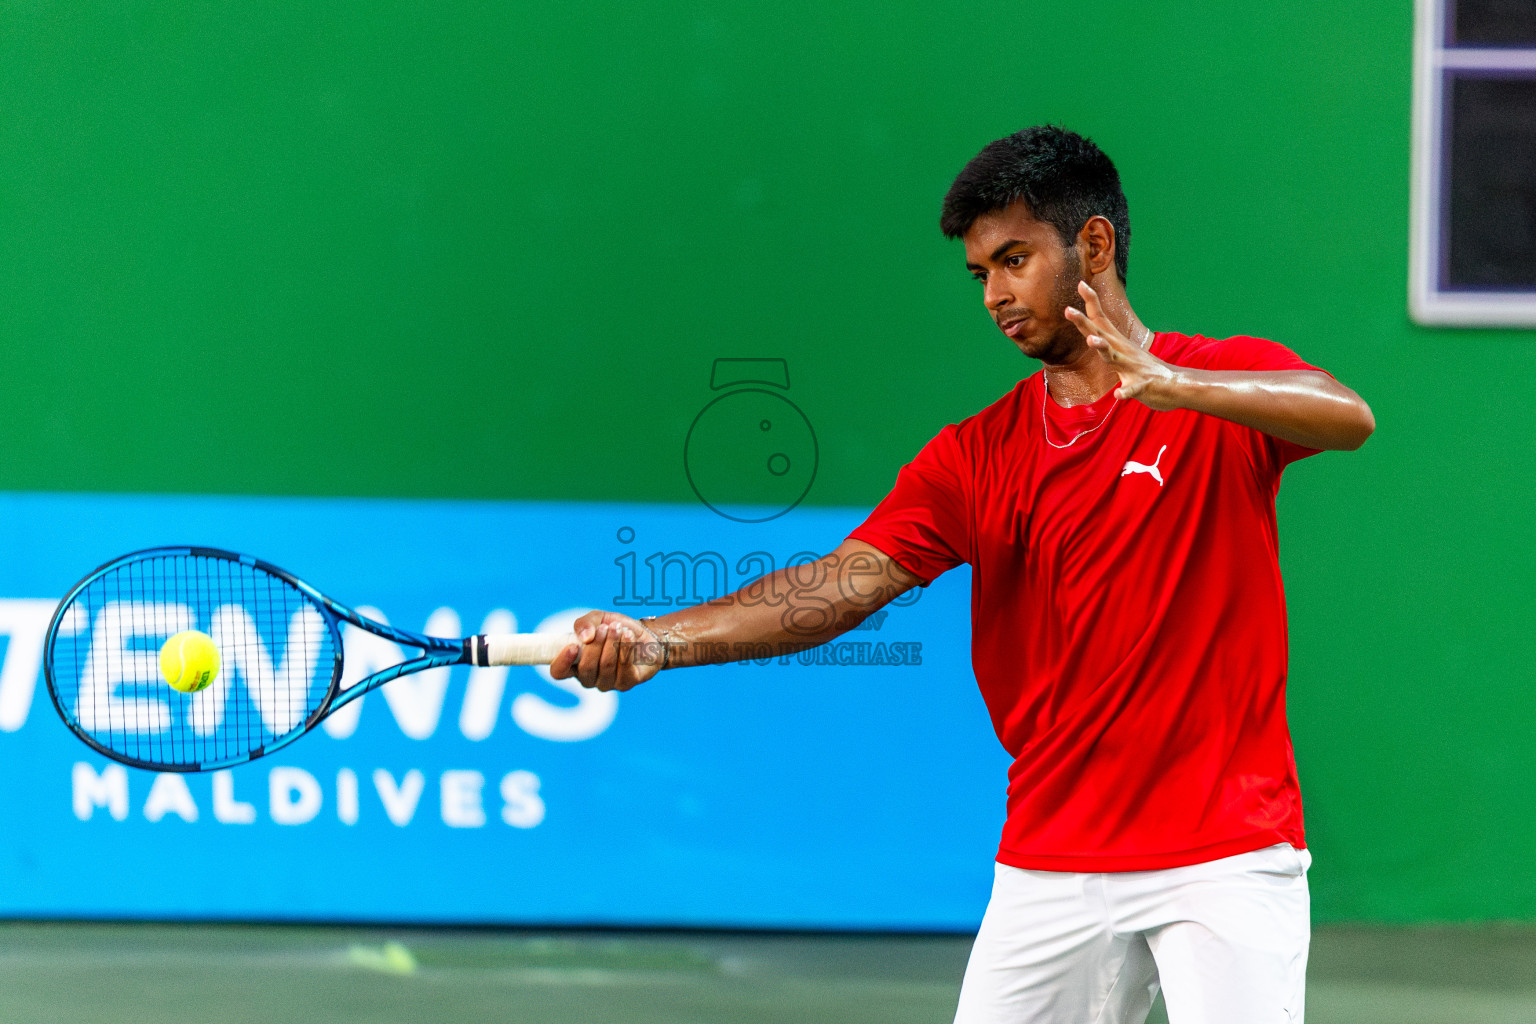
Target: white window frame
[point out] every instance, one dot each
(1428, 302)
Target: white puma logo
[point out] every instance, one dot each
(1136, 467)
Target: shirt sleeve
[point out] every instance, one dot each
(925, 522)
(1245, 353)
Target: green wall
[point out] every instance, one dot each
(490, 249)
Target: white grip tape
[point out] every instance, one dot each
(525, 648)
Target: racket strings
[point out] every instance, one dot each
(277, 654)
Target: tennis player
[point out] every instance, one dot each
(1128, 624)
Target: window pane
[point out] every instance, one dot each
(1492, 191)
(1494, 22)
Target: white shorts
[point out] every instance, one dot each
(1226, 940)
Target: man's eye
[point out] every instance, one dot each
(1015, 261)
(978, 275)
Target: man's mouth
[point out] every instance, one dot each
(1012, 327)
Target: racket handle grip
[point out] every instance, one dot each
(516, 648)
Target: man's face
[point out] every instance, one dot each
(1028, 278)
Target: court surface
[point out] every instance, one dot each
(165, 974)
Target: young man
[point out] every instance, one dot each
(1118, 512)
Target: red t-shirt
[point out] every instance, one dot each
(1127, 616)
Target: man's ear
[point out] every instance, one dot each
(1096, 242)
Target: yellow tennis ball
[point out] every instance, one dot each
(189, 661)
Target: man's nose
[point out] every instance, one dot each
(996, 293)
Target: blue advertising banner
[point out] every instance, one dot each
(857, 785)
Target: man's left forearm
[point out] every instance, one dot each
(1307, 407)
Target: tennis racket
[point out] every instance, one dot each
(280, 650)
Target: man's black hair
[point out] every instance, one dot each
(1064, 179)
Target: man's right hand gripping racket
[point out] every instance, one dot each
(276, 635)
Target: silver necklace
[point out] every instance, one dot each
(1045, 394)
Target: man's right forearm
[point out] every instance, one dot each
(787, 611)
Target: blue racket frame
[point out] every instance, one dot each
(437, 652)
